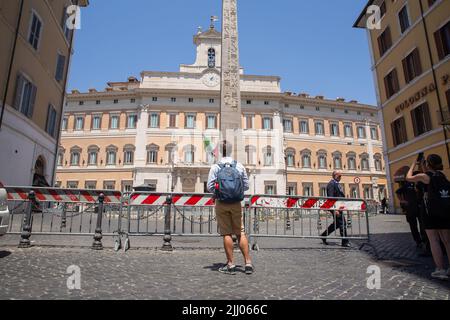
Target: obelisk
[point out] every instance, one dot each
(230, 103)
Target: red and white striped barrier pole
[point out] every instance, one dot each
(63, 195)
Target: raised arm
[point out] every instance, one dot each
(421, 177)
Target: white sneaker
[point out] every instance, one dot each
(440, 274)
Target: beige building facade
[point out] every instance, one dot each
(160, 131)
(34, 63)
(411, 67)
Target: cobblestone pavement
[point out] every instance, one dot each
(285, 269)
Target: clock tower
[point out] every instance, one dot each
(208, 57)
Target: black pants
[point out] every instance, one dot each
(340, 223)
(413, 217)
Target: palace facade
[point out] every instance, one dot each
(160, 131)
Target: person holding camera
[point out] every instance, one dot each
(437, 208)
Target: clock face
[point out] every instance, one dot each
(211, 79)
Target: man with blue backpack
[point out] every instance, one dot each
(228, 181)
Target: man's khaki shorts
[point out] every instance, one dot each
(229, 218)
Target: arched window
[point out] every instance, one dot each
(93, 155)
(171, 149)
(337, 160)
(152, 153)
(111, 155)
(290, 157)
(322, 157)
(75, 153)
(61, 152)
(128, 154)
(306, 158)
(364, 162)
(268, 156)
(189, 154)
(211, 58)
(351, 161)
(250, 152)
(378, 162)
(354, 192)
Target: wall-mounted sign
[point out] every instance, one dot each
(421, 94)
(415, 98)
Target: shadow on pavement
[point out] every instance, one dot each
(398, 251)
(4, 254)
(215, 267)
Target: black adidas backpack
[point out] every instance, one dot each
(438, 200)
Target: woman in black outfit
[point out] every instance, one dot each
(437, 228)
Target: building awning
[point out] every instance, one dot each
(400, 174)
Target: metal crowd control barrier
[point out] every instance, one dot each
(305, 217)
(51, 211)
(172, 214)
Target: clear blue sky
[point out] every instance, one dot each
(311, 45)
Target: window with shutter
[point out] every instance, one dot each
(442, 39)
(172, 120)
(25, 96)
(35, 31)
(421, 121)
(384, 41)
(399, 134)
(404, 19)
(391, 84)
(19, 91)
(412, 66)
(60, 64)
(51, 121)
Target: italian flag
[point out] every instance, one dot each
(210, 147)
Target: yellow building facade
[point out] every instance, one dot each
(36, 44)
(410, 49)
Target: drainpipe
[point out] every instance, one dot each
(435, 80)
(11, 62)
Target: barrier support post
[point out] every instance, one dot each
(27, 225)
(63, 217)
(97, 245)
(167, 246)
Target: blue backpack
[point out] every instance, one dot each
(230, 185)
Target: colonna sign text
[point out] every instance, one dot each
(420, 94)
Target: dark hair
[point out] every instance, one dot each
(434, 161)
(227, 149)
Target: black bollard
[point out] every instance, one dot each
(167, 246)
(97, 245)
(27, 224)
